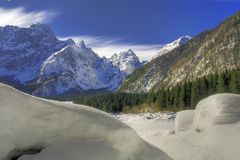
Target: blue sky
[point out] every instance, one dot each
(110, 26)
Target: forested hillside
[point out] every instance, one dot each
(209, 52)
(182, 96)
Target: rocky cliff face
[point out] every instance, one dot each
(211, 51)
(126, 61)
(76, 67)
(34, 58)
(171, 46)
(22, 50)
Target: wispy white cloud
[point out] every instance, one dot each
(107, 47)
(20, 17)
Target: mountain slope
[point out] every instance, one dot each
(219, 50)
(35, 61)
(22, 50)
(127, 61)
(211, 51)
(76, 67)
(170, 46)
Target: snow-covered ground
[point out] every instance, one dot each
(65, 131)
(211, 132)
(149, 124)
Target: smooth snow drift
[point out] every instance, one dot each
(66, 131)
(217, 109)
(148, 125)
(211, 132)
(184, 120)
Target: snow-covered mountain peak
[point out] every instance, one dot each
(23, 50)
(127, 54)
(36, 26)
(126, 61)
(41, 29)
(70, 41)
(40, 26)
(170, 46)
(34, 54)
(130, 52)
(81, 44)
(182, 40)
(76, 67)
(9, 28)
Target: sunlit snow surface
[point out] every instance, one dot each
(211, 132)
(126, 61)
(171, 46)
(66, 131)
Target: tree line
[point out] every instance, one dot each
(182, 96)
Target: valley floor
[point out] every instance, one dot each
(219, 142)
(149, 125)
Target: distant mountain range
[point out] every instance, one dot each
(23, 50)
(212, 51)
(34, 60)
(78, 68)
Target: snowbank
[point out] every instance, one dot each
(184, 120)
(66, 131)
(149, 124)
(217, 109)
(217, 119)
(220, 142)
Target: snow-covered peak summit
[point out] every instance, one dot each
(81, 44)
(40, 26)
(127, 54)
(41, 29)
(126, 61)
(130, 51)
(23, 50)
(77, 68)
(170, 46)
(182, 40)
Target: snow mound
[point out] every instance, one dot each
(65, 131)
(184, 120)
(217, 117)
(215, 110)
(149, 124)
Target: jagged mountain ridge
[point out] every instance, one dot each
(35, 60)
(76, 67)
(211, 51)
(22, 50)
(219, 50)
(170, 46)
(126, 61)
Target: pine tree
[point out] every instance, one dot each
(234, 82)
(161, 98)
(188, 94)
(176, 92)
(182, 95)
(221, 83)
(193, 94)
